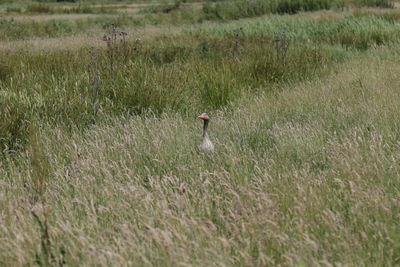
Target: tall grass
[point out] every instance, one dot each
(39, 8)
(175, 75)
(250, 8)
(306, 176)
(97, 165)
(375, 3)
(353, 32)
(180, 74)
(12, 29)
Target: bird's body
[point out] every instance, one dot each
(206, 146)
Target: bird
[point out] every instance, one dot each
(206, 146)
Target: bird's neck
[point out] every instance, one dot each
(205, 127)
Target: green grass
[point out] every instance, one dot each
(12, 29)
(80, 9)
(307, 176)
(98, 165)
(353, 32)
(375, 3)
(251, 8)
(160, 79)
(227, 10)
(208, 68)
(171, 73)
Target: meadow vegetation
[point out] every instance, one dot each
(97, 165)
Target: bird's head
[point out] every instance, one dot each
(204, 116)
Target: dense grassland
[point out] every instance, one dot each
(97, 129)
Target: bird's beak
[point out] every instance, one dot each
(200, 117)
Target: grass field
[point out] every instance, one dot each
(98, 107)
